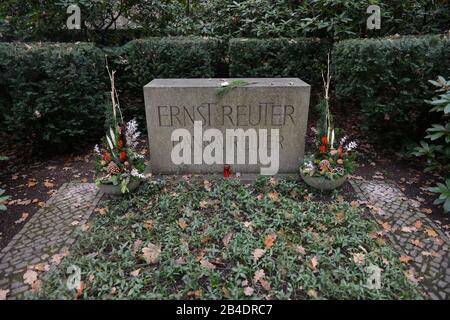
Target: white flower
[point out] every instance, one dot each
(132, 133)
(308, 166)
(37, 114)
(96, 149)
(314, 130)
(344, 138)
(224, 84)
(136, 174)
(352, 145)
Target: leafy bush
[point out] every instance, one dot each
(302, 57)
(387, 77)
(52, 94)
(140, 61)
(437, 151)
(198, 239)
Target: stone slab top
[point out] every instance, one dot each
(216, 82)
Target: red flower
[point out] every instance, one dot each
(106, 157)
(324, 140)
(322, 149)
(120, 143)
(340, 152)
(123, 156)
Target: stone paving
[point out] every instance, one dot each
(47, 233)
(424, 242)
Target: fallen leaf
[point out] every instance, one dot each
(431, 233)
(417, 243)
(151, 253)
(36, 286)
(313, 263)
(100, 211)
(426, 210)
(430, 254)
(358, 258)
(340, 216)
(408, 229)
(136, 246)
(84, 180)
(258, 253)
(226, 240)
(32, 183)
(340, 199)
(148, 224)
(203, 204)
(386, 226)
(56, 259)
(41, 267)
(418, 224)
(273, 196)
(259, 274)
(75, 223)
(248, 291)
(48, 184)
(206, 264)
(3, 294)
(405, 259)
(269, 240)
(29, 277)
(312, 293)
(265, 284)
(79, 290)
(300, 249)
(182, 223)
(23, 217)
(135, 273)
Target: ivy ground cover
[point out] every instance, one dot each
(198, 239)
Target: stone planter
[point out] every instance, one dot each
(111, 189)
(323, 183)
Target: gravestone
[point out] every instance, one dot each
(269, 113)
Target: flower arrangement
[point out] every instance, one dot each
(333, 158)
(116, 161)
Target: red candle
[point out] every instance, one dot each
(226, 171)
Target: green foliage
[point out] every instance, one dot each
(51, 95)
(387, 78)
(223, 223)
(140, 61)
(437, 151)
(303, 58)
(444, 194)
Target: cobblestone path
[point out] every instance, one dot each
(423, 241)
(47, 233)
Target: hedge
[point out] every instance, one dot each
(388, 78)
(302, 57)
(51, 94)
(140, 61)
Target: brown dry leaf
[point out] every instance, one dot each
(426, 210)
(248, 291)
(312, 293)
(381, 241)
(265, 284)
(148, 224)
(135, 273)
(386, 226)
(41, 267)
(3, 294)
(206, 264)
(36, 286)
(417, 243)
(32, 183)
(408, 229)
(313, 263)
(418, 224)
(207, 185)
(23, 217)
(48, 184)
(84, 227)
(30, 277)
(340, 199)
(56, 259)
(226, 292)
(340, 216)
(431, 233)
(41, 204)
(273, 196)
(84, 180)
(258, 253)
(259, 274)
(269, 240)
(405, 259)
(358, 258)
(100, 211)
(300, 249)
(259, 196)
(80, 289)
(226, 240)
(182, 223)
(203, 204)
(430, 254)
(151, 253)
(354, 204)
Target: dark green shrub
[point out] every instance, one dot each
(140, 61)
(388, 79)
(52, 94)
(303, 58)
